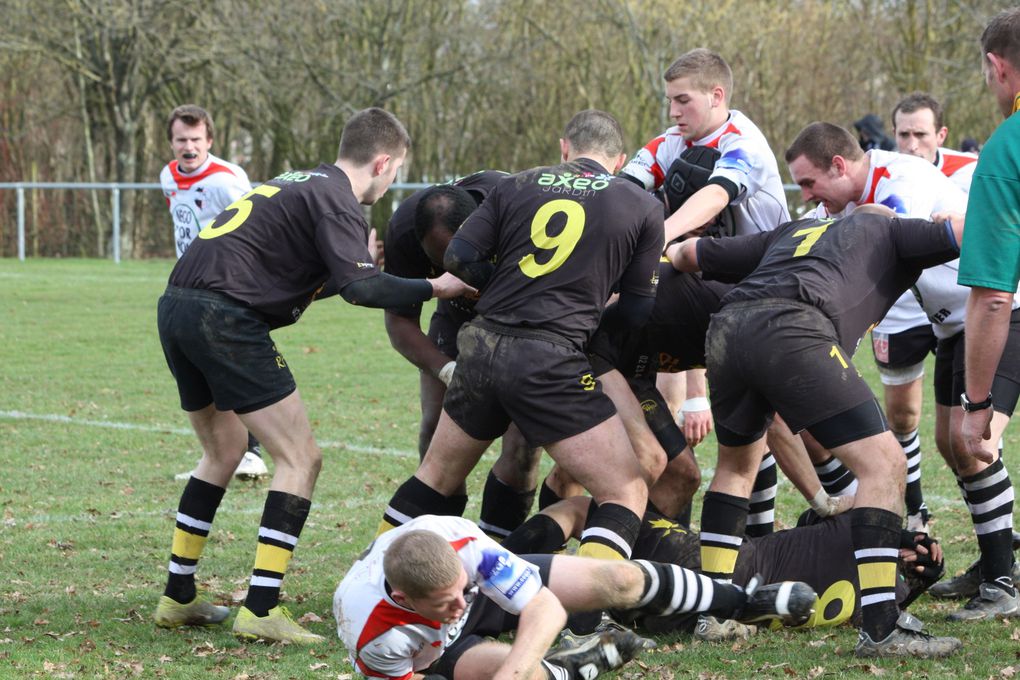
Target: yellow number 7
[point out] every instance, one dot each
(811, 236)
(563, 243)
(243, 207)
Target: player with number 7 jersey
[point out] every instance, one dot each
(782, 343)
(561, 237)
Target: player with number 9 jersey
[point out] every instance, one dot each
(562, 237)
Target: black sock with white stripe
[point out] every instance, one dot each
(195, 513)
(836, 478)
(989, 497)
(761, 514)
(415, 498)
(876, 539)
(672, 589)
(609, 533)
(723, 522)
(283, 517)
(911, 444)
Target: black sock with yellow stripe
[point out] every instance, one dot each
(723, 520)
(195, 514)
(876, 539)
(283, 517)
(609, 533)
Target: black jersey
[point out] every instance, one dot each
(673, 340)
(405, 256)
(562, 236)
(277, 246)
(852, 269)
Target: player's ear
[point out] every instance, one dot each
(718, 96)
(380, 164)
(621, 160)
(839, 165)
(564, 149)
(400, 598)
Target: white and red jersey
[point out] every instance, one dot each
(944, 300)
(386, 640)
(957, 166)
(195, 198)
(746, 160)
(911, 187)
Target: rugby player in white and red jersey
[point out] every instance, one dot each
(746, 175)
(918, 128)
(199, 186)
(829, 166)
(421, 601)
(744, 191)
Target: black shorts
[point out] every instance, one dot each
(529, 377)
(629, 352)
(950, 374)
(443, 330)
(220, 352)
(775, 355)
(904, 349)
(486, 620)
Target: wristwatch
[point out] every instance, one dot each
(971, 406)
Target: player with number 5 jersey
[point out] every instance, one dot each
(561, 237)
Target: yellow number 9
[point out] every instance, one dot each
(243, 207)
(563, 243)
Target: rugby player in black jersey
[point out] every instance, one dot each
(256, 268)
(561, 236)
(782, 342)
(416, 239)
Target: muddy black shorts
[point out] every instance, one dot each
(443, 330)
(950, 374)
(220, 352)
(767, 356)
(532, 378)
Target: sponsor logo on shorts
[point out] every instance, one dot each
(649, 406)
(364, 265)
(587, 382)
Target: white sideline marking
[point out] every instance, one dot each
(167, 429)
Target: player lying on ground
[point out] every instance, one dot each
(818, 552)
(420, 600)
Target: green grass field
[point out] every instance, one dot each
(91, 436)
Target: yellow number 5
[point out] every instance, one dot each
(811, 236)
(562, 244)
(243, 207)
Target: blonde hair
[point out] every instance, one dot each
(705, 68)
(421, 562)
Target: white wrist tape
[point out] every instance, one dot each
(820, 503)
(446, 372)
(696, 404)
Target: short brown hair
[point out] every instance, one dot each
(190, 115)
(1001, 36)
(819, 142)
(420, 562)
(596, 131)
(917, 101)
(371, 132)
(705, 68)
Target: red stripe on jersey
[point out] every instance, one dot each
(652, 147)
(185, 183)
(460, 543)
(385, 617)
(950, 164)
(365, 670)
(876, 175)
(714, 143)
